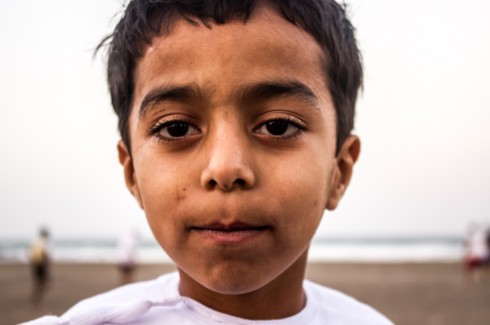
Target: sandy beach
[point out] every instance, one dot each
(416, 293)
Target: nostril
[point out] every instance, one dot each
(240, 182)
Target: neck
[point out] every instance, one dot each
(286, 291)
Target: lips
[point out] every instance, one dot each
(235, 226)
(229, 234)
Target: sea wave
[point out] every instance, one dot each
(427, 249)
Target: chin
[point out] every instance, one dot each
(236, 286)
(236, 280)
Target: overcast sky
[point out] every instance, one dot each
(423, 120)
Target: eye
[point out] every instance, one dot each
(173, 130)
(280, 127)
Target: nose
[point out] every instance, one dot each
(229, 162)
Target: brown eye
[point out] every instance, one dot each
(177, 129)
(277, 127)
(280, 128)
(174, 130)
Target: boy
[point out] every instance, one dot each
(235, 119)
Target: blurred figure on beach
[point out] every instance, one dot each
(477, 250)
(487, 241)
(39, 260)
(128, 243)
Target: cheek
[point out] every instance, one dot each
(162, 181)
(302, 195)
(311, 177)
(160, 194)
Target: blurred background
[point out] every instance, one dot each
(420, 187)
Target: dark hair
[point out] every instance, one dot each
(43, 232)
(325, 20)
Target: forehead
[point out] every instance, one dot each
(221, 57)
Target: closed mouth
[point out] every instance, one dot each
(232, 227)
(229, 234)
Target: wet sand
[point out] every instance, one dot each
(426, 293)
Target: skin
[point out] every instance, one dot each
(232, 203)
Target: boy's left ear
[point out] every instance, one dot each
(345, 161)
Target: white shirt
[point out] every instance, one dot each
(158, 302)
(477, 246)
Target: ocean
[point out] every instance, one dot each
(410, 249)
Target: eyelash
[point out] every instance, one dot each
(159, 126)
(300, 125)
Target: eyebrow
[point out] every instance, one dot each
(274, 89)
(262, 91)
(176, 93)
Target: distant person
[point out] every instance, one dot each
(236, 120)
(40, 263)
(477, 250)
(487, 241)
(127, 254)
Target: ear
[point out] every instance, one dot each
(345, 161)
(129, 175)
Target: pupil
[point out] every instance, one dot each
(276, 127)
(178, 129)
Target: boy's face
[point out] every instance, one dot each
(233, 149)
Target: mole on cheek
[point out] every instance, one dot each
(179, 196)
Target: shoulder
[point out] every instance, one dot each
(339, 308)
(163, 287)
